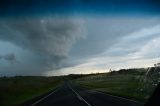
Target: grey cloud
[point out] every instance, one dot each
(9, 57)
(137, 42)
(50, 38)
(105, 32)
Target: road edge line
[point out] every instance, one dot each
(101, 92)
(116, 96)
(38, 101)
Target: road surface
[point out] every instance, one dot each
(72, 95)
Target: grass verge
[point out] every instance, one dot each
(124, 85)
(16, 90)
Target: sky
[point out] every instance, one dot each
(59, 37)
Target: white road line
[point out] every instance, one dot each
(79, 96)
(43, 98)
(115, 96)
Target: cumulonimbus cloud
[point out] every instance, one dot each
(50, 38)
(9, 57)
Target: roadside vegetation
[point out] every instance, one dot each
(16, 90)
(136, 84)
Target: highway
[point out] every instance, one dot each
(70, 94)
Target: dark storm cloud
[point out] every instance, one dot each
(9, 57)
(50, 39)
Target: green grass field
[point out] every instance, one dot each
(126, 84)
(16, 90)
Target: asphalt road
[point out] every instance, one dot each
(72, 95)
